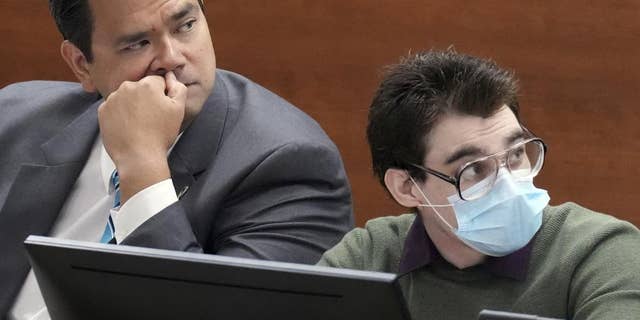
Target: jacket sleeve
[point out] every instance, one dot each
(292, 206)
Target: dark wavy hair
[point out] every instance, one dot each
(415, 93)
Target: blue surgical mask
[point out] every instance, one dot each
(501, 222)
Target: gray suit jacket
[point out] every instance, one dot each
(260, 178)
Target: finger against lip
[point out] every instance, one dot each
(179, 79)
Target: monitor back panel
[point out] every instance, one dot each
(95, 281)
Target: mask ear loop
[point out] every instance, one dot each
(429, 205)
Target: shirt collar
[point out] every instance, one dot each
(420, 251)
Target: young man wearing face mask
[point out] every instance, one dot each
(446, 139)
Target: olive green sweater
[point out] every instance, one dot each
(583, 265)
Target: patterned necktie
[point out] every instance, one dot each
(109, 230)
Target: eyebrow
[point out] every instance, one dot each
(463, 152)
(514, 137)
(132, 38)
(138, 36)
(186, 10)
(468, 151)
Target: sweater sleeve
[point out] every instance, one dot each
(606, 284)
(349, 253)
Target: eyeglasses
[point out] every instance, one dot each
(475, 179)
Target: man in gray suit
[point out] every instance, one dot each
(246, 175)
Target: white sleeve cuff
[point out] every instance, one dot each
(141, 207)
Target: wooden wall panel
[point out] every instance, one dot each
(577, 62)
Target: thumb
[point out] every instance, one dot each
(175, 89)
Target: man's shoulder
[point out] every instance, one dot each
(573, 219)
(573, 231)
(30, 89)
(24, 97)
(589, 258)
(42, 84)
(41, 106)
(260, 105)
(240, 91)
(375, 247)
(255, 108)
(388, 235)
(392, 228)
(385, 231)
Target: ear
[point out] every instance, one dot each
(78, 63)
(402, 189)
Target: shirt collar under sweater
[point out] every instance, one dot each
(420, 251)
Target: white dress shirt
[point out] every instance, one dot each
(84, 217)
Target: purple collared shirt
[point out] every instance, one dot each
(420, 251)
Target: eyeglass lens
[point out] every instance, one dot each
(478, 177)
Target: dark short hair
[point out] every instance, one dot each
(74, 20)
(418, 91)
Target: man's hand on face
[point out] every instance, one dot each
(139, 122)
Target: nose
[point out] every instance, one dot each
(168, 57)
(502, 161)
(502, 165)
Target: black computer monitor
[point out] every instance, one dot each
(83, 280)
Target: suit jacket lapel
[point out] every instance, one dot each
(200, 141)
(36, 197)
